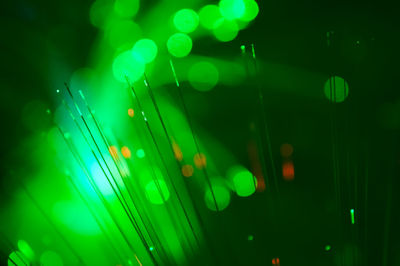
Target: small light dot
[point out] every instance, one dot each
(327, 247)
(113, 151)
(250, 237)
(200, 160)
(151, 248)
(126, 152)
(140, 153)
(131, 112)
(187, 170)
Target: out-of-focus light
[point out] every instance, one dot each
(126, 152)
(288, 170)
(147, 49)
(99, 12)
(286, 150)
(275, 261)
(186, 20)
(128, 65)
(232, 9)
(151, 248)
(177, 151)
(140, 153)
(328, 248)
(179, 45)
(221, 194)
(225, 30)
(17, 258)
(200, 160)
(352, 216)
(131, 112)
(251, 10)
(209, 14)
(203, 76)
(157, 191)
(243, 181)
(187, 170)
(126, 8)
(123, 33)
(50, 258)
(26, 249)
(336, 89)
(250, 238)
(113, 151)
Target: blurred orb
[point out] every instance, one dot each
(147, 49)
(128, 65)
(35, 116)
(336, 89)
(99, 12)
(250, 238)
(288, 171)
(221, 194)
(286, 150)
(203, 76)
(113, 151)
(126, 8)
(17, 258)
(177, 151)
(225, 30)
(140, 153)
(123, 33)
(26, 249)
(126, 152)
(208, 15)
(327, 247)
(187, 170)
(186, 20)
(200, 160)
(232, 9)
(50, 258)
(157, 191)
(244, 182)
(179, 45)
(251, 10)
(131, 112)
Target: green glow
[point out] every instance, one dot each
(352, 216)
(251, 10)
(327, 247)
(50, 258)
(99, 12)
(24, 247)
(221, 194)
(232, 9)
(147, 49)
(128, 65)
(157, 191)
(18, 258)
(123, 33)
(186, 20)
(126, 8)
(243, 181)
(208, 15)
(225, 30)
(250, 238)
(340, 89)
(203, 76)
(179, 45)
(140, 153)
(76, 217)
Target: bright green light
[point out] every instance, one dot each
(179, 45)
(24, 247)
(232, 9)
(140, 153)
(186, 20)
(147, 49)
(209, 14)
(250, 237)
(17, 258)
(123, 33)
(203, 76)
(157, 191)
(352, 216)
(251, 10)
(225, 30)
(126, 8)
(50, 258)
(336, 89)
(327, 248)
(128, 65)
(243, 181)
(221, 194)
